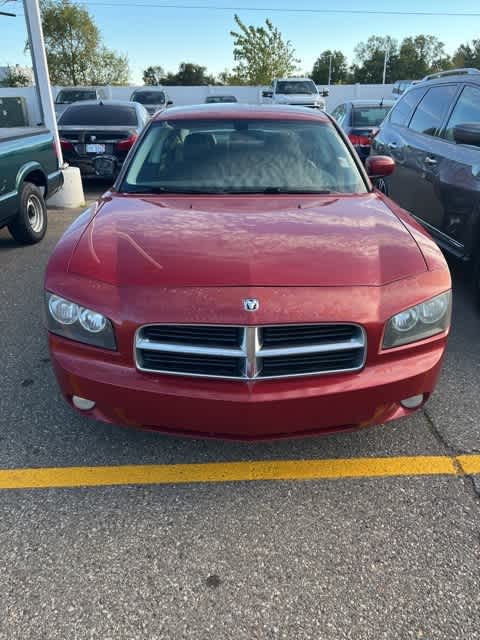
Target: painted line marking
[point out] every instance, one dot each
(335, 468)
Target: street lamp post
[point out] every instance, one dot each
(385, 60)
(40, 69)
(330, 69)
(71, 194)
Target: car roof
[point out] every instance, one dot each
(372, 103)
(107, 103)
(246, 111)
(455, 75)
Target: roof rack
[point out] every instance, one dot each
(452, 72)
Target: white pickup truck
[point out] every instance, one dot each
(301, 92)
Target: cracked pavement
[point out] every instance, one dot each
(371, 558)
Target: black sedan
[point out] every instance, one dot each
(92, 131)
(360, 119)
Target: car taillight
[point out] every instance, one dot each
(359, 141)
(66, 145)
(127, 144)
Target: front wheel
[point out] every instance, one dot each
(30, 224)
(476, 279)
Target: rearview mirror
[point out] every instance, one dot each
(169, 103)
(267, 94)
(468, 133)
(379, 166)
(325, 93)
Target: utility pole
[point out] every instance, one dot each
(330, 69)
(385, 60)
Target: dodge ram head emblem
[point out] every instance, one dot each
(251, 304)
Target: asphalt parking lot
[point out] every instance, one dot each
(395, 556)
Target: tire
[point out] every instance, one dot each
(30, 224)
(476, 279)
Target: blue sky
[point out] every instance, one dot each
(168, 36)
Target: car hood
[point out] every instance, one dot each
(246, 241)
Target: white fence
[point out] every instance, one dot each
(182, 95)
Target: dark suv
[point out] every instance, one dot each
(433, 134)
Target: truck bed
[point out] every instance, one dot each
(14, 133)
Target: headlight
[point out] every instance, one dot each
(419, 322)
(70, 320)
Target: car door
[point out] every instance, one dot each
(425, 160)
(392, 140)
(458, 185)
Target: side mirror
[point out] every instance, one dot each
(104, 166)
(267, 94)
(468, 133)
(169, 103)
(325, 93)
(379, 166)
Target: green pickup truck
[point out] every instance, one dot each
(29, 174)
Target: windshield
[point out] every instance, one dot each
(369, 116)
(296, 87)
(99, 115)
(242, 156)
(67, 97)
(149, 97)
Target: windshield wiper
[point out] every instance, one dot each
(296, 191)
(160, 189)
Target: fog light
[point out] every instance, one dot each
(413, 402)
(82, 403)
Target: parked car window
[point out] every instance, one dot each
(467, 110)
(219, 99)
(67, 97)
(403, 110)
(148, 97)
(339, 113)
(286, 87)
(99, 114)
(224, 156)
(369, 116)
(432, 109)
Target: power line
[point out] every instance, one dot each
(376, 12)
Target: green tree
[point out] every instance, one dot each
(371, 59)
(189, 74)
(420, 55)
(321, 68)
(74, 47)
(154, 75)
(15, 78)
(108, 67)
(261, 53)
(467, 55)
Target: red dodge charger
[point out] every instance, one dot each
(243, 279)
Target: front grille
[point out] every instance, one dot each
(312, 363)
(246, 353)
(209, 336)
(285, 335)
(196, 364)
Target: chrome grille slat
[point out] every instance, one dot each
(248, 353)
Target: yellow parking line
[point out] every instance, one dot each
(56, 477)
(470, 464)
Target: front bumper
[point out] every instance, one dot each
(245, 410)
(288, 407)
